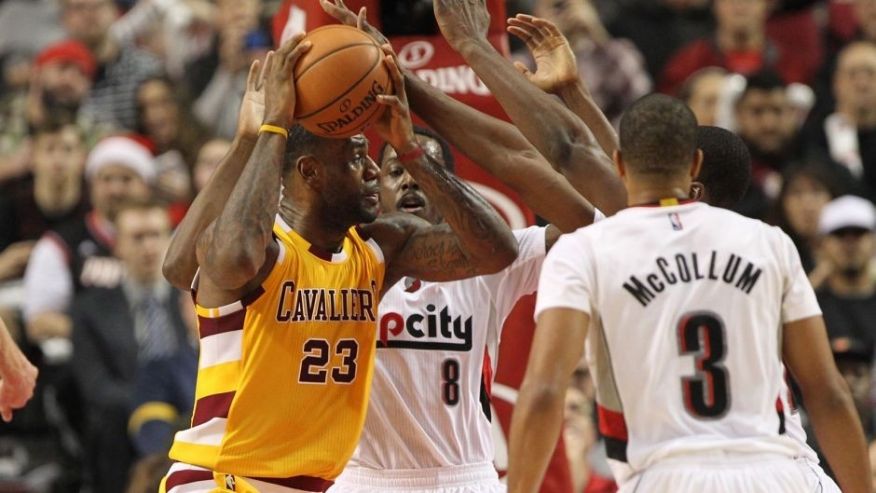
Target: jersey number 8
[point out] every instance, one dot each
(317, 354)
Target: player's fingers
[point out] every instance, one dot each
(547, 26)
(521, 33)
(398, 80)
(252, 78)
(517, 21)
(297, 53)
(6, 413)
(361, 19)
(267, 68)
(392, 102)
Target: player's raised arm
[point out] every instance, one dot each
(557, 73)
(828, 401)
(180, 262)
(554, 130)
(233, 249)
(475, 239)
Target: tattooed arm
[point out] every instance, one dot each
(180, 262)
(248, 216)
(475, 239)
(555, 131)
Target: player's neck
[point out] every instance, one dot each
(649, 194)
(312, 226)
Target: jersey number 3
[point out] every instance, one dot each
(707, 393)
(317, 355)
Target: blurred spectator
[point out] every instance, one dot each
(702, 93)
(51, 195)
(120, 68)
(848, 135)
(60, 80)
(220, 76)
(847, 294)
(740, 45)
(209, 157)
(657, 27)
(77, 254)
(175, 31)
(613, 69)
(806, 189)
(166, 120)
(854, 360)
(118, 329)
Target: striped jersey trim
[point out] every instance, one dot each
(212, 406)
(208, 434)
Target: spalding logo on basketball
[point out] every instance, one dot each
(338, 81)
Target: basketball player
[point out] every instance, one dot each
(428, 426)
(723, 178)
(702, 302)
(287, 293)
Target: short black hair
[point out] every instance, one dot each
(726, 170)
(446, 152)
(658, 135)
(765, 80)
(300, 143)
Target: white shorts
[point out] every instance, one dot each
(720, 473)
(477, 478)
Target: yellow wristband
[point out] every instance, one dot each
(274, 130)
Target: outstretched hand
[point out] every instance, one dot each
(339, 10)
(252, 107)
(279, 83)
(462, 21)
(395, 125)
(555, 63)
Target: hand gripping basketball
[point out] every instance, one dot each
(279, 82)
(395, 125)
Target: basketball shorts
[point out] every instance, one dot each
(185, 478)
(476, 478)
(732, 474)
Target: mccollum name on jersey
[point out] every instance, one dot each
(436, 329)
(325, 305)
(731, 269)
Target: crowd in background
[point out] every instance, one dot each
(113, 114)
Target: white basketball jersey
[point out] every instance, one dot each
(436, 353)
(686, 304)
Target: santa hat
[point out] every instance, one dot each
(121, 151)
(69, 51)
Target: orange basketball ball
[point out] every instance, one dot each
(338, 81)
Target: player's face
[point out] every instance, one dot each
(353, 191)
(398, 190)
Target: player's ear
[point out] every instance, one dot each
(309, 169)
(619, 163)
(697, 164)
(697, 191)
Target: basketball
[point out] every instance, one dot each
(338, 81)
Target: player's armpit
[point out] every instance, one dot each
(538, 414)
(828, 401)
